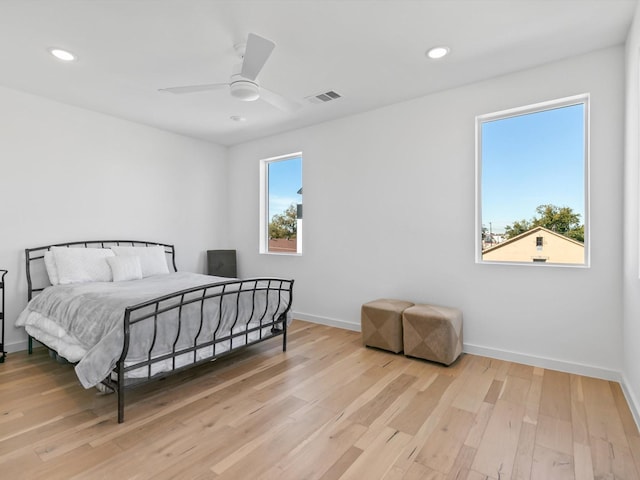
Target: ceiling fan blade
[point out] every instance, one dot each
(194, 88)
(279, 101)
(256, 54)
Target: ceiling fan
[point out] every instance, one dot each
(243, 84)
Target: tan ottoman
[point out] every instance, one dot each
(433, 333)
(381, 322)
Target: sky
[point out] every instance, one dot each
(531, 160)
(285, 179)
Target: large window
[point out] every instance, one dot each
(281, 205)
(532, 166)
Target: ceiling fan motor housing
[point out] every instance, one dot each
(244, 89)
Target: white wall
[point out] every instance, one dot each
(70, 174)
(389, 212)
(631, 282)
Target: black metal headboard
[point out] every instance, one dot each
(35, 256)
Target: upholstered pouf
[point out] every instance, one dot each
(433, 333)
(381, 323)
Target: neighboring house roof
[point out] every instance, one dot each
(528, 233)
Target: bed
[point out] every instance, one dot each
(123, 314)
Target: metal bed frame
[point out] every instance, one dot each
(257, 322)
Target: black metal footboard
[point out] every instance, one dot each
(190, 327)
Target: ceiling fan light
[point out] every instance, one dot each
(245, 90)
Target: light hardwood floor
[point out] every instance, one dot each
(328, 408)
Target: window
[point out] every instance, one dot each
(281, 205)
(532, 183)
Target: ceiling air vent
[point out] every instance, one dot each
(323, 97)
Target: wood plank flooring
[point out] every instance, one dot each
(326, 409)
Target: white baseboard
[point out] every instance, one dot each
(17, 346)
(545, 362)
(542, 362)
(632, 401)
(331, 322)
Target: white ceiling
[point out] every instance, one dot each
(370, 52)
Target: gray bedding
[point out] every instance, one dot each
(84, 322)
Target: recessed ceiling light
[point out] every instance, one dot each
(237, 118)
(62, 54)
(437, 52)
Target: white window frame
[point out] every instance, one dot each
(264, 207)
(535, 108)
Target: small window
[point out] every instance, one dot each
(281, 205)
(532, 183)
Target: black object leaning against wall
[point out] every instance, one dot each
(3, 354)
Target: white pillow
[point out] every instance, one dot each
(78, 265)
(125, 268)
(50, 265)
(153, 260)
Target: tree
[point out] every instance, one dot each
(284, 225)
(562, 220)
(517, 228)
